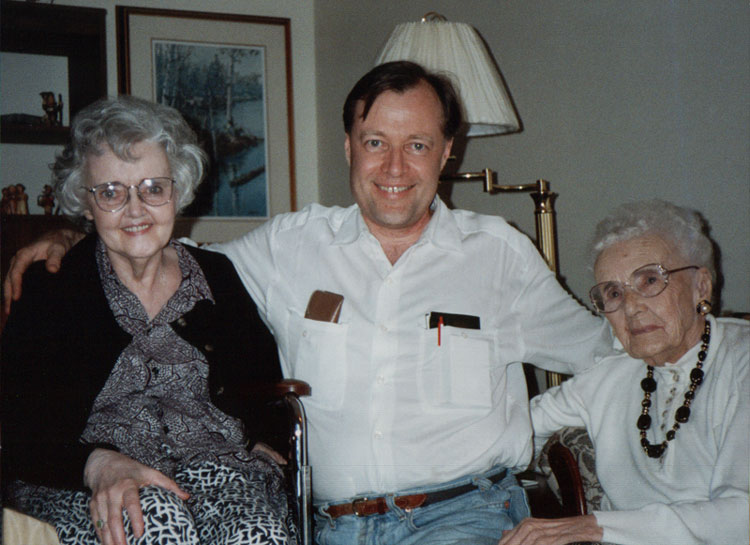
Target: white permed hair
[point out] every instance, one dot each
(682, 227)
(121, 123)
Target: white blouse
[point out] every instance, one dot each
(697, 492)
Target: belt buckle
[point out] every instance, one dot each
(356, 503)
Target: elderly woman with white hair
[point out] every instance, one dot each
(124, 418)
(669, 412)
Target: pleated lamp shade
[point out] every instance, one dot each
(455, 49)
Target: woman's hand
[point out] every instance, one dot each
(533, 531)
(51, 246)
(115, 481)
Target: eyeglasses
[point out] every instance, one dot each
(113, 196)
(647, 281)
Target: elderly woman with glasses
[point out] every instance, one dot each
(124, 418)
(669, 412)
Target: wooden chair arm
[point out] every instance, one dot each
(565, 468)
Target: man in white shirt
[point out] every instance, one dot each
(417, 386)
(419, 410)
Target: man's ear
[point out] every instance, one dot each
(446, 153)
(348, 150)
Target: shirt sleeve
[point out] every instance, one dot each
(559, 333)
(555, 409)
(253, 258)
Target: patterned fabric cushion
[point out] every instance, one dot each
(579, 443)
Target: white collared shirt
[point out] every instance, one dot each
(391, 408)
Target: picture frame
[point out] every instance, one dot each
(230, 76)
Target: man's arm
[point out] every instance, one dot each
(51, 246)
(559, 333)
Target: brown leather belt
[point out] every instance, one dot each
(363, 507)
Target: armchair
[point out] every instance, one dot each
(567, 461)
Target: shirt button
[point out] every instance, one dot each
(304, 333)
(378, 434)
(209, 348)
(381, 379)
(181, 322)
(383, 328)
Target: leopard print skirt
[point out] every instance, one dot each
(226, 506)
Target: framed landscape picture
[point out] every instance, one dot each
(230, 77)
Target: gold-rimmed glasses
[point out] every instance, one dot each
(647, 281)
(113, 196)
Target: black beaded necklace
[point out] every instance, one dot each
(682, 415)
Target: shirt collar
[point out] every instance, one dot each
(193, 286)
(351, 228)
(442, 230)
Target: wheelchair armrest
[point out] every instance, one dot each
(568, 476)
(296, 387)
(290, 391)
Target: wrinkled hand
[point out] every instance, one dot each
(278, 458)
(51, 246)
(114, 480)
(532, 531)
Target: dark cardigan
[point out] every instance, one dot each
(62, 341)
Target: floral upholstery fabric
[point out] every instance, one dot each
(578, 442)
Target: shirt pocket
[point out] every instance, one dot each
(456, 373)
(318, 351)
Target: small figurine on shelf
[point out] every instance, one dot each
(46, 200)
(7, 204)
(52, 110)
(22, 200)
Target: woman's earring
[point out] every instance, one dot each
(703, 308)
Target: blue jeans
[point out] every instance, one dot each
(475, 518)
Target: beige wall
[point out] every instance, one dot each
(619, 100)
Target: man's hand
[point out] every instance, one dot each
(51, 246)
(533, 531)
(115, 481)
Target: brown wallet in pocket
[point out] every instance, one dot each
(324, 306)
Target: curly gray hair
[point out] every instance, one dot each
(682, 227)
(120, 123)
